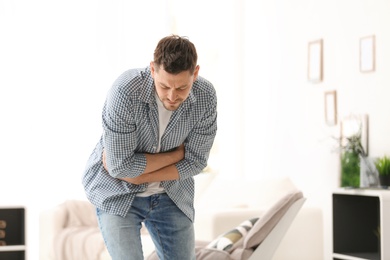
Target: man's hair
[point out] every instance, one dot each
(175, 54)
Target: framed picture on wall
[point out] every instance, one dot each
(331, 108)
(367, 53)
(314, 69)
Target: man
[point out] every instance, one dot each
(159, 126)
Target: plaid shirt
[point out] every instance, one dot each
(130, 123)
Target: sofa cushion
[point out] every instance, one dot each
(227, 240)
(79, 213)
(81, 242)
(212, 254)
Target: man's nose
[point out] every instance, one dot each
(172, 94)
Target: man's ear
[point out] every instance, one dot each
(152, 68)
(196, 72)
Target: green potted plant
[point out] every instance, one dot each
(383, 167)
(352, 150)
(357, 169)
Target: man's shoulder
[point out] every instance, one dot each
(204, 86)
(133, 82)
(134, 75)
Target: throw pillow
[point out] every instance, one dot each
(226, 241)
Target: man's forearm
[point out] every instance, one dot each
(167, 173)
(159, 161)
(156, 161)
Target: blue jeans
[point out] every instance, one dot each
(171, 230)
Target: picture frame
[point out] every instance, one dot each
(315, 61)
(367, 53)
(331, 107)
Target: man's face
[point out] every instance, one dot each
(173, 89)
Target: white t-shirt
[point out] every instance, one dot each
(163, 118)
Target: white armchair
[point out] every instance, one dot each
(225, 203)
(255, 238)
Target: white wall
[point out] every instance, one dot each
(284, 113)
(58, 58)
(57, 61)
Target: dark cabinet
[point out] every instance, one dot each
(12, 233)
(359, 224)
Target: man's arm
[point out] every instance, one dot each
(168, 173)
(159, 161)
(199, 142)
(159, 167)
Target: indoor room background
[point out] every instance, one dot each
(59, 58)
